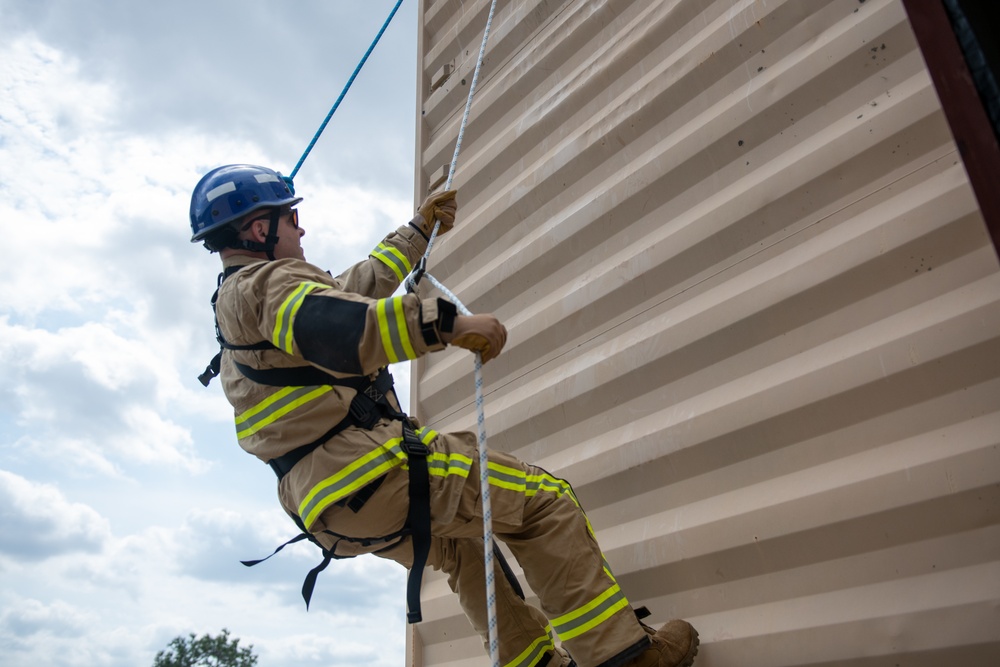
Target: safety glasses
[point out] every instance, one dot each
(292, 213)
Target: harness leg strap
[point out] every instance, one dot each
(508, 573)
(418, 518)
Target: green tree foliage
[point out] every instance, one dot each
(206, 651)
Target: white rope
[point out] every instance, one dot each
(491, 598)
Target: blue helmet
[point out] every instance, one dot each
(228, 193)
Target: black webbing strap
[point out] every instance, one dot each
(310, 581)
(297, 538)
(214, 366)
(418, 526)
(302, 376)
(309, 584)
(367, 407)
(357, 500)
(418, 519)
(507, 572)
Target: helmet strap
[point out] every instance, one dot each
(272, 234)
(270, 241)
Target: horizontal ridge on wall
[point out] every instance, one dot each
(754, 317)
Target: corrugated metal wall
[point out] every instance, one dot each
(754, 316)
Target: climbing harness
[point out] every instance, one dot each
(419, 272)
(369, 406)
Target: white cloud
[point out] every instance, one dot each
(62, 634)
(106, 122)
(94, 395)
(40, 523)
(94, 209)
(28, 617)
(341, 221)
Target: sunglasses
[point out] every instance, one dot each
(293, 214)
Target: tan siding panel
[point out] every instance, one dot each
(754, 317)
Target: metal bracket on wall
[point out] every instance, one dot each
(441, 76)
(436, 180)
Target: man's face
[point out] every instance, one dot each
(289, 245)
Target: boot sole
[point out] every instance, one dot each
(688, 659)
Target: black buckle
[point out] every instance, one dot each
(365, 411)
(416, 448)
(418, 273)
(412, 445)
(373, 393)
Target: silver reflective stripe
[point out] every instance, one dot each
(392, 324)
(357, 475)
(266, 178)
(448, 466)
(360, 472)
(396, 261)
(516, 478)
(275, 406)
(282, 337)
(587, 617)
(530, 656)
(393, 330)
(220, 190)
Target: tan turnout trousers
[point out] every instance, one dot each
(351, 325)
(539, 518)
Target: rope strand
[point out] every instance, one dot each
(411, 286)
(491, 599)
(344, 91)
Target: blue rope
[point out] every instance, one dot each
(343, 92)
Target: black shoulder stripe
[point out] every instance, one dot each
(328, 332)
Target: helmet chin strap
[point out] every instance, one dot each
(270, 241)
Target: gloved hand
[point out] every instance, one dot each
(440, 206)
(478, 333)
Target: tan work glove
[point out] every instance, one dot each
(440, 206)
(479, 333)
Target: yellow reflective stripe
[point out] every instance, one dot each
(360, 472)
(516, 480)
(276, 406)
(560, 487)
(427, 435)
(404, 333)
(383, 328)
(282, 336)
(394, 259)
(590, 615)
(393, 330)
(442, 465)
(350, 479)
(546, 482)
(530, 656)
(505, 477)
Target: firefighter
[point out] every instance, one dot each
(303, 364)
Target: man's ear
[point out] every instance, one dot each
(258, 229)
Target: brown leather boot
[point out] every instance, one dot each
(675, 644)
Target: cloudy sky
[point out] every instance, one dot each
(125, 502)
